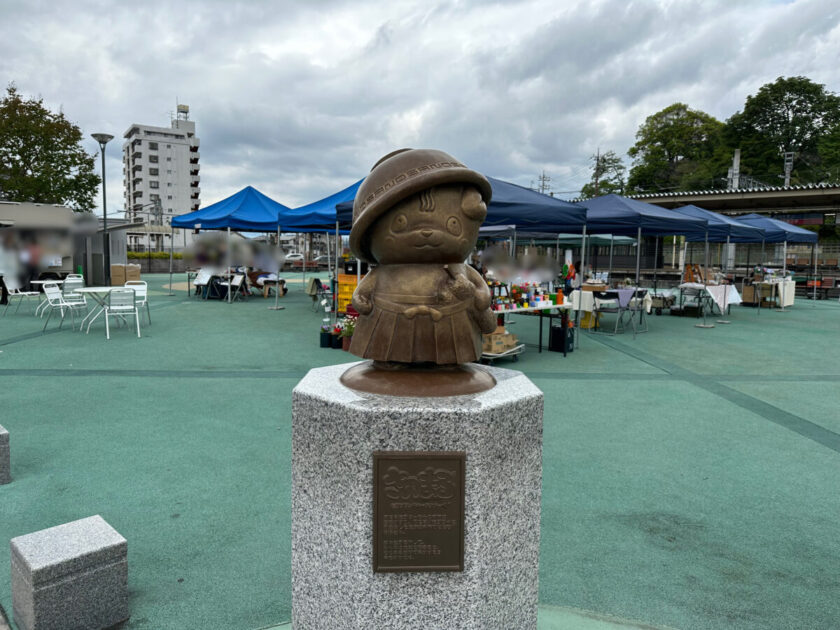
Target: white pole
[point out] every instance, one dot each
(638, 253)
(305, 254)
(609, 273)
(702, 295)
(814, 249)
(171, 245)
(230, 263)
(784, 278)
(723, 319)
(277, 288)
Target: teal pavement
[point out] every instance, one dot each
(690, 476)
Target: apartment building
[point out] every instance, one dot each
(161, 180)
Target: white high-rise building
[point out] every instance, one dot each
(160, 172)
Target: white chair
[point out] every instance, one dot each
(15, 292)
(236, 285)
(122, 302)
(141, 290)
(55, 300)
(68, 291)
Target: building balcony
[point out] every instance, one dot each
(137, 167)
(138, 193)
(136, 155)
(194, 145)
(194, 172)
(194, 196)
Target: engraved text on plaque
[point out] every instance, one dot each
(418, 511)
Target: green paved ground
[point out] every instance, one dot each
(690, 476)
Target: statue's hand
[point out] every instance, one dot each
(362, 303)
(482, 300)
(462, 287)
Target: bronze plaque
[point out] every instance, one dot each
(418, 511)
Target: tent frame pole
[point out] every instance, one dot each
(814, 249)
(230, 263)
(277, 288)
(609, 271)
(171, 246)
(724, 269)
(784, 278)
(703, 295)
(638, 254)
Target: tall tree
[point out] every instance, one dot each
(607, 176)
(678, 148)
(789, 115)
(41, 156)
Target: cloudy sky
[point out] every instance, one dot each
(300, 98)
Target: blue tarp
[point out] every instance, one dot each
(614, 214)
(514, 205)
(722, 227)
(776, 231)
(320, 215)
(248, 210)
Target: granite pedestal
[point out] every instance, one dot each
(5, 458)
(70, 576)
(335, 432)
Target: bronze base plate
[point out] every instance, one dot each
(419, 380)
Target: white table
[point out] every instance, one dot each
(100, 294)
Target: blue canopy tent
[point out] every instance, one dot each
(614, 214)
(249, 210)
(512, 205)
(722, 228)
(319, 216)
(781, 232)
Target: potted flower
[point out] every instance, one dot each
(336, 336)
(347, 329)
(326, 336)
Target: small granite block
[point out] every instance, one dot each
(70, 576)
(5, 459)
(335, 432)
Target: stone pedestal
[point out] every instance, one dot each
(335, 432)
(70, 576)
(5, 458)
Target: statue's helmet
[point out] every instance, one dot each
(399, 175)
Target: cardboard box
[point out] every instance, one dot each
(117, 275)
(132, 272)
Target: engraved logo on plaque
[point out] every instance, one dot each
(418, 511)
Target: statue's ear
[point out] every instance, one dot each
(472, 204)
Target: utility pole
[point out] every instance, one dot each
(788, 167)
(734, 175)
(597, 169)
(545, 182)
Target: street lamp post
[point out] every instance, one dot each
(103, 139)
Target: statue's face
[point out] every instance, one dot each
(437, 225)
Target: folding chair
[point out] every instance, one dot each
(319, 293)
(15, 292)
(604, 302)
(141, 290)
(55, 300)
(237, 285)
(637, 305)
(121, 303)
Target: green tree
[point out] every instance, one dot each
(41, 156)
(608, 174)
(678, 148)
(791, 114)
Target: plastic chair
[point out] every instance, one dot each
(55, 300)
(141, 291)
(121, 302)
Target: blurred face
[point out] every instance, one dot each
(438, 225)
